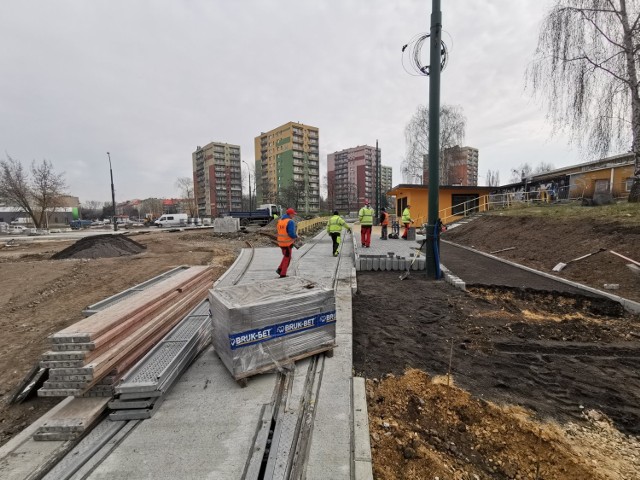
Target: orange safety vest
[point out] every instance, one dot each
(386, 219)
(284, 240)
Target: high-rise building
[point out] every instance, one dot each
(459, 166)
(288, 167)
(217, 180)
(386, 183)
(462, 165)
(351, 178)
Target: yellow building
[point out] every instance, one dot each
(454, 201)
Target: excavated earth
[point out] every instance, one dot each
(501, 382)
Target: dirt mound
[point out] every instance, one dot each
(101, 246)
(426, 429)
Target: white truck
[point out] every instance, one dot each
(172, 220)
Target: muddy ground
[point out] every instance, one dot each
(528, 384)
(40, 296)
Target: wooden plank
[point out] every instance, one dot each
(105, 320)
(76, 416)
(143, 339)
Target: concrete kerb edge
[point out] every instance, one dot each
(362, 462)
(230, 269)
(452, 279)
(629, 305)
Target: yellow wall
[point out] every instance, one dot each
(418, 198)
(583, 184)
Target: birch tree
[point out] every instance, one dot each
(452, 131)
(585, 70)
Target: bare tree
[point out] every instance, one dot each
(91, 208)
(37, 195)
(452, 132)
(293, 195)
(493, 178)
(586, 70)
(526, 170)
(185, 186)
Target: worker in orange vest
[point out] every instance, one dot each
(286, 237)
(384, 223)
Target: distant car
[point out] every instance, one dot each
(16, 229)
(78, 224)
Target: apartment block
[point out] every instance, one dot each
(351, 178)
(287, 167)
(458, 166)
(217, 179)
(386, 184)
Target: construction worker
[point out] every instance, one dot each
(406, 221)
(286, 237)
(366, 222)
(384, 223)
(334, 229)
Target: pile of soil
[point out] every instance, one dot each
(427, 429)
(555, 356)
(101, 246)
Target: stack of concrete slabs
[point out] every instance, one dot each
(261, 325)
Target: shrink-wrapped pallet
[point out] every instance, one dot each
(262, 325)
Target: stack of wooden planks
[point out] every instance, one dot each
(98, 350)
(141, 391)
(91, 356)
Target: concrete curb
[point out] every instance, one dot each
(363, 468)
(629, 305)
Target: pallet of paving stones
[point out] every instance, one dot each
(112, 340)
(143, 388)
(261, 326)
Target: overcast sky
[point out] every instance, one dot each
(149, 81)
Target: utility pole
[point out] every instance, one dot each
(435, 48)
(113, 196)
(378, 176)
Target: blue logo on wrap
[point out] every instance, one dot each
(252, 337)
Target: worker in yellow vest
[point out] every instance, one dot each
(286, 237)
(334, 229)
(406, 221)
(384, 223)
(366, 223)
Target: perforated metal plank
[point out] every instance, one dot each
(129, 404)
(144, 375)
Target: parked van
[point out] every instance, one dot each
(172, 220)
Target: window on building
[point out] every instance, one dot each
(627, 184)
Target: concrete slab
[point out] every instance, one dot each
(209, 414)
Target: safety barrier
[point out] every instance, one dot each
(306, 225)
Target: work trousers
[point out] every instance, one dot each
(406, 230)
(365, 234)
(286, 259)
(383, 232)
(335, 238)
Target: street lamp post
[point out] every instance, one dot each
(113, 196)
(249, 170)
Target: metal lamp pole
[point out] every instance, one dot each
(249, 170)
(113, 196)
